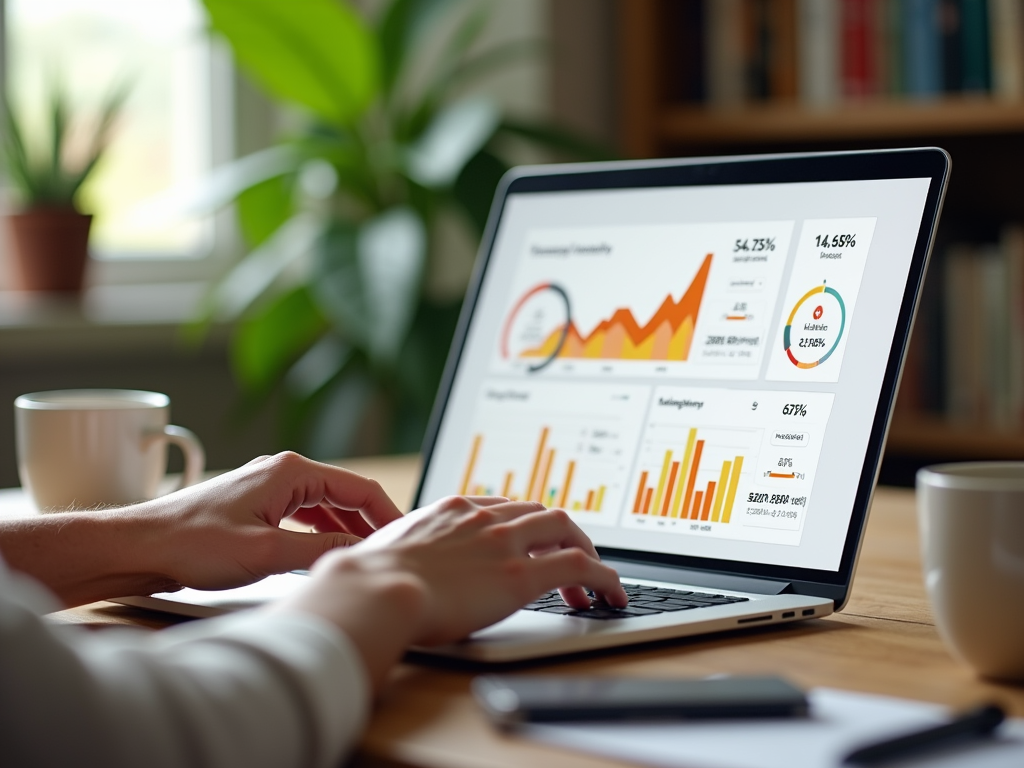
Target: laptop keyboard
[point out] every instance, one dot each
(643, 601)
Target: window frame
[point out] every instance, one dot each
(228, 134)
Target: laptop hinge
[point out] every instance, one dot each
(711, 579)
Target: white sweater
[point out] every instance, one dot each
(250, 690)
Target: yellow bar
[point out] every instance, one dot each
(576, 506)
(565, 485)
(530, 489)
(661, 482)
(508, 485)
(542, 490)
(600, 498)
(468, 475)
(684, 472)
(733, 482)
(720, 496)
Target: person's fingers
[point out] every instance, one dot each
(487, 501)
(575, 597)
(568, 568)
(315, 483)
(540, 532)
(348, 520)
(297, 550)
(326, 519)
(510, 510)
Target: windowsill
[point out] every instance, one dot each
(105, 318)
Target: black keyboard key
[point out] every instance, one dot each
(644, 600)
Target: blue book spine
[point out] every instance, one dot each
(922, 48)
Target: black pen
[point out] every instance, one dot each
(973, 724)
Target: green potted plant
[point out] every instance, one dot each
(336, 308)
(49, 233)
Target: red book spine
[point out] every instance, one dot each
(858, 39)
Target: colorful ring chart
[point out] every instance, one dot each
(562, 323)
(787, 332)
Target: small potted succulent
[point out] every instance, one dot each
(49, 233)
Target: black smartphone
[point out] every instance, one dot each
(512, 699)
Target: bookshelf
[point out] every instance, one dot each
(983, 132)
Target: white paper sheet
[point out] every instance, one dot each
(840, 722)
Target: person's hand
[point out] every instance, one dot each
(225, 532)
(475, 561)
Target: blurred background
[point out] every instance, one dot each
(288, 210)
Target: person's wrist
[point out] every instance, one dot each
(381, 611)
(146, 547)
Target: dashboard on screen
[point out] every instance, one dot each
(686, 370)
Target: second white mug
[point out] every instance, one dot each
(972, 543)
(82, 448)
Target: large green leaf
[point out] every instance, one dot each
(392, 253)
(263, 208)
(258, 271)
(267, 342)
(223, 185)
(367, 280)
(317, 53)
(474, 189)
(401, 27)
(456, 134)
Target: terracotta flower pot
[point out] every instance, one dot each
(50, 249)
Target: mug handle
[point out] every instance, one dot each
(195, 456)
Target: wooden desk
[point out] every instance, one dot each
(884, 642)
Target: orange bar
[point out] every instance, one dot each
(708, 498)
(566, 484)
(696, 503)
(508, 485)
(529, 496)
(668, 491)
(647, 501)
(787, 476)
(692, 481)
(542, 491)
(468, 475)
(589, 504)
(640, 493)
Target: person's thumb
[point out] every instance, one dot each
(301, 550)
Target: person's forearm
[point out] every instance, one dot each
(85, 556)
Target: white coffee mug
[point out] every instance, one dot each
(83, 448)
(972, 543)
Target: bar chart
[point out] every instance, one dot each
(555, 443)
(537, 483)
(727, 463)
(676, 493)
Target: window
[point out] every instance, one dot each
(175, 126)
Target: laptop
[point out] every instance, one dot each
(698, 360)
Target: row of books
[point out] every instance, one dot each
(967, 354)
(821, 52)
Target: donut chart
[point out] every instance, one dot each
(818, 332)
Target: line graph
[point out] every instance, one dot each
(668, 335)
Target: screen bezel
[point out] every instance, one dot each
(926, 162)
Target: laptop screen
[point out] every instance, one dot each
(688, 370)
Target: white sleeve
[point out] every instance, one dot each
(252, 690)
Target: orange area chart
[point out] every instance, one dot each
(666, 336)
